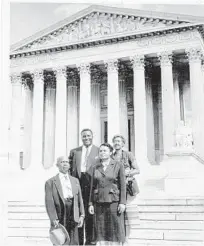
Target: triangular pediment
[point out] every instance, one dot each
(95, 23)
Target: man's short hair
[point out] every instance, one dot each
(87, 129)
(62, 158)
(119, 136)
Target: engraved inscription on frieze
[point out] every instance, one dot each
(97, 25)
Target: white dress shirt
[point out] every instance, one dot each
(83, 157)
(66, 185)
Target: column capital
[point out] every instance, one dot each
(16, 78)
(111, 65)
(60, 71)
(137, 61)
(165, 58)
(27, 83)
(194, 54)
(38, 76)
(84, 68)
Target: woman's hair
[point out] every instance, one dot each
(107, 145)
(118, 136)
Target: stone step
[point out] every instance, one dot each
(139, 242)
(169, 208)
(168, 216)
(199, 201)
(153, 234)
(166, 225)
(28, 232)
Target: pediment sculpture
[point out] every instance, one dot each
(96, 26)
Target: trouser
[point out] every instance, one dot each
(69, 223)
(89, 219)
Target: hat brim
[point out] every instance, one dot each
(65, 232)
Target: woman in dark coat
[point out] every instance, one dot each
(108, 198)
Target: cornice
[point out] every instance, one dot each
(111, 39)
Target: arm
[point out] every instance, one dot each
(81, 206)
(122, 185)
(91, 208)
(91, 187)
(49, 203)
(133, 164)
(80, 201)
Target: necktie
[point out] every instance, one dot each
(67, 185)
(86, 157)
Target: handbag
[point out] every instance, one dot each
(132, 187)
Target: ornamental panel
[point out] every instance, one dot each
(96, 26)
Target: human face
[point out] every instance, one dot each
(104, 153)
(87, 138)
(118, 143)
(63, 166)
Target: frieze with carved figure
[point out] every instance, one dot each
(98, 25)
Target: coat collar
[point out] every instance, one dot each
(59, 186)
(110, 165)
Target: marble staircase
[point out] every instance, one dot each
(175, 222)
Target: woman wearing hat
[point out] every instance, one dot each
(108, 198)
(64, 205)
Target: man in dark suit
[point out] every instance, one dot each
(82, 160)
(63, 201)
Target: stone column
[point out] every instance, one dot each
(15, 121)
(49, 122)
(61, 112)
(177, 105)
(123, 104)
(96, 105)
(85, 98)
(197, 99)
(113, 99)
(37, 120)
(72, 110)
(168, 104)
(140, 110)
(150, 120)
(28, 111)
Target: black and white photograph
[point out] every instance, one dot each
(102, 123)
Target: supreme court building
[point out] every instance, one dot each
(116, 71)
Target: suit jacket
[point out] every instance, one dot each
(109, 185)
(54, 200)
(75, 160)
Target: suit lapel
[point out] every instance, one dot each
(109, 167)
(73, 184)
(92, 156)
(59, 186)
(78, 159)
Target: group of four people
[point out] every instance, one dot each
(88, 195)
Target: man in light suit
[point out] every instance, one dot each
(82, 160)
(63, 201)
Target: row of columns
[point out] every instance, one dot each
(89, 106)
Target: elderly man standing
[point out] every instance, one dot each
(82, 160)
(63, 201)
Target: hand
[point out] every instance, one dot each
(127, 172)
(81, 221)
(91, 209)
(121, 208)
(55, 223)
